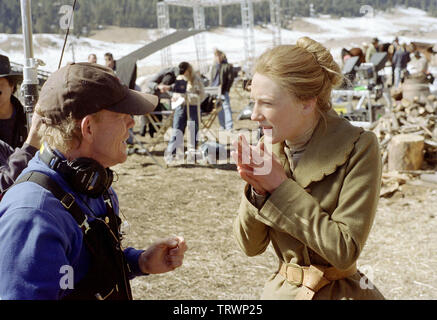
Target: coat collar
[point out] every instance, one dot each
(328, 148)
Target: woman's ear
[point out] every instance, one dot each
(309, 105)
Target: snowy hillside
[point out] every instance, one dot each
(409, 24)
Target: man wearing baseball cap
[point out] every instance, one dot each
(59, 226)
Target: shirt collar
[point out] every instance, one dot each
(328, 148)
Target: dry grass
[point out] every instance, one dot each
(201, 202)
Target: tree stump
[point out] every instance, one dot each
(405, 152)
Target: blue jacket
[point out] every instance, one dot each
(38, 238)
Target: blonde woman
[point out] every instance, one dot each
(195, 94)
(317, 203)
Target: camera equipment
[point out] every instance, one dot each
(29, 88)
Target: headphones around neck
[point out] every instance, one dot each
(85, 175)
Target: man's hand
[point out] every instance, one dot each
(33, 138)
(163, 256)
(163, 88)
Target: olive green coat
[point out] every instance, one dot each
(323, 213)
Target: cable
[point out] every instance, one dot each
(66, 35)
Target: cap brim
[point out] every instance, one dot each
(17, 76)
(135, 103)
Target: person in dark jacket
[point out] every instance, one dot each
(14, 154)
(161, 85)
(222, 74)
(13, 123)
(400, 62)
(13, 161)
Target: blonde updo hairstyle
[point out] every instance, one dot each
(306, 70)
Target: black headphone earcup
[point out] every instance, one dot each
(85, 175)
(89, 177)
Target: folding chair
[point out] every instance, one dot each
(207, 119)
(160, 125)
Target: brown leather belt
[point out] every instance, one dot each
(312, 278)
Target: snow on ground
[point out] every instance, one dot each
(409, 24)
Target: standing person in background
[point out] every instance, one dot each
(317, 200)
(391, 52)
(13, 121)
(195, 94)
(222, 74)
(400, 62)
(372, 49)
(109, 61)
(418, 66)
(92, 58)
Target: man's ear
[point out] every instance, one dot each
(86, 128)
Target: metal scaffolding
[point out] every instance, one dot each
(247, 20)
(249, 39)
(275, 20)
(199, 39)
(164, 28)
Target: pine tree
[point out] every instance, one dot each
(142, 13)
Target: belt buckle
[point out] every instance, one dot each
(294, 274)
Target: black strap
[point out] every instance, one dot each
(86, 289)
(66, 199)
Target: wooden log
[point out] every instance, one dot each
(429, 108)
(431, 97)
(405, 152)
(405, 103)
(431, 143)
(417, 172)
(429, 177)
(426, 130)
